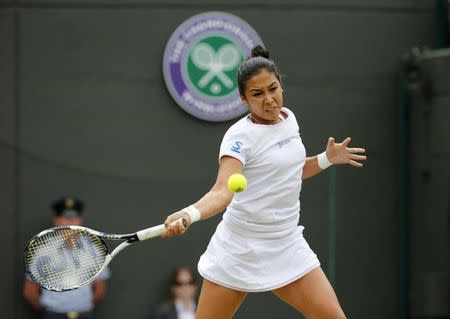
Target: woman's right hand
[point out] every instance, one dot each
(174, 228)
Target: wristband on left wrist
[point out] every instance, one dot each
(323, 160)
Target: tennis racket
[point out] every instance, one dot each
(67, 257)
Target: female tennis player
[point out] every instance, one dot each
(258, 246)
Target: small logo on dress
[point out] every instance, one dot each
(200, 64)
(237, 147)
(283, 142)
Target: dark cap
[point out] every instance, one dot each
(67, 206)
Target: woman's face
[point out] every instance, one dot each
(264, 96)
(184, 288)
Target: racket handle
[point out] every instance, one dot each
(157, 230)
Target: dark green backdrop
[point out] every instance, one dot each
(84, 110)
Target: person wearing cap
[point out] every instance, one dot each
(73, 304)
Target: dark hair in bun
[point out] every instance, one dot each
(259, 59)
(260, 51)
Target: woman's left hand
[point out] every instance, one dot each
(340, 153)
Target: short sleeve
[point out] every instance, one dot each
(234, 144)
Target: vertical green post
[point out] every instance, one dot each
(403, 198)
(18, 303)
(442, 40)
(331, 269)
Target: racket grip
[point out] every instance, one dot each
(156, 230)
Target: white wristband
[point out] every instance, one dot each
(193, 213)
(323, 161)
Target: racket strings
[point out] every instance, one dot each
(65, 258)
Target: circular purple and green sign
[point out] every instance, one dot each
(200, 64)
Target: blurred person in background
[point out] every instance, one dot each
(73, 304)
(183, 292)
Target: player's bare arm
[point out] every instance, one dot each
(336, 153)
(213, 202)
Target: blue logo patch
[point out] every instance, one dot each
(283, 142)
(236, 147)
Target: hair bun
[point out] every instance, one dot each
(260, 51)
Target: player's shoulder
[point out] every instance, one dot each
(291, 118)
(289, 113)
(239, 124)
(240, 127)
(237, 139)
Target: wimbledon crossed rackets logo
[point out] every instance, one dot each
(214, 68)
(200, 64)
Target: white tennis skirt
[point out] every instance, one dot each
(256, 264)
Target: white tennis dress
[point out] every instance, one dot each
(258, 246)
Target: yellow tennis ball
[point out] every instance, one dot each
(237, 183)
